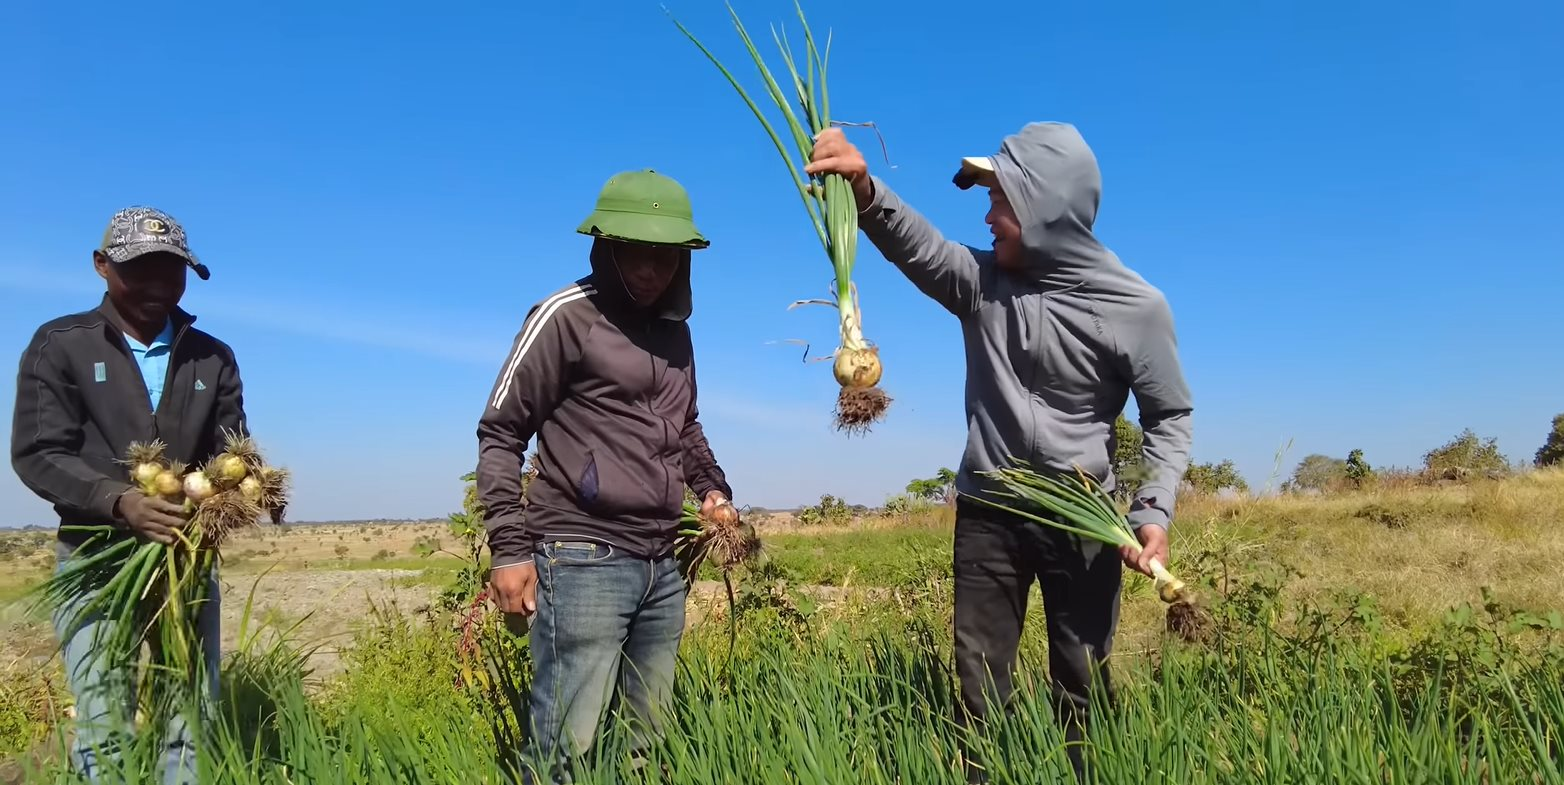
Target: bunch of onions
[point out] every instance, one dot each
(724, 538)
(1077, 504)
(832, 209)
(155, 590)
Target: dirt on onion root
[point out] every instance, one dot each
(858, 408)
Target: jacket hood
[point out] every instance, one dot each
(1051, 178)
(675, 304)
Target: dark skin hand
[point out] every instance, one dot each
(150, 518)
(515, 588)
(1153, 545)
(144, 290)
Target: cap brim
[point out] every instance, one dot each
(124, 253)
(975, 170)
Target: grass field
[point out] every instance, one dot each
(1411, 635)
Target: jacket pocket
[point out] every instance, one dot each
(587, 484)
(608, 487)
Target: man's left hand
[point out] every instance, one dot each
(1153, 545)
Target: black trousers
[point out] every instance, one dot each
(997, 557)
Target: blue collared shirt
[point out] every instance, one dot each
(152, 359)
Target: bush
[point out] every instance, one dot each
(1464, 456)
(1358, 469)
(1213, 478)
(1318, 473)
(830, 510)
(906, 505)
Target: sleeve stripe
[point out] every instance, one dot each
(530, 332)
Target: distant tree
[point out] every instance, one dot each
(1358, 469)
(1211, 478)
(1465, 455)
(1127, 443)
(1552, 451)
(1318, 473)
(941, 487)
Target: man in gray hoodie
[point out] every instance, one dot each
(1058, 334)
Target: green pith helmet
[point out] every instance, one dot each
(644, 207)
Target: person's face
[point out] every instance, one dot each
(146, 289)
(646, 269)
(1006, 228)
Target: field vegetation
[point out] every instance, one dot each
(1368, 625)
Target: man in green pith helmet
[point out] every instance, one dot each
(602, 372)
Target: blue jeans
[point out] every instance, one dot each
(105, 698)
(607, 629)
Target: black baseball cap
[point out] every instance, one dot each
(136, 231)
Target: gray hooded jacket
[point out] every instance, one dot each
(1053, 352)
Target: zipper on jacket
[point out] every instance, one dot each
(646, 330)
(168, 375)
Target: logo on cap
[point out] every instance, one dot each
(154, 226)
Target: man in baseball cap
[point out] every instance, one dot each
(132, 369)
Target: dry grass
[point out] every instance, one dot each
(1418, 551)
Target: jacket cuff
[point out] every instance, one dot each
(501, 563)
(105, 493)
(875, 209)
(706, 486)
(1152, 506)
(509, 543)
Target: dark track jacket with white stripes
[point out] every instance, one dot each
(608, 389)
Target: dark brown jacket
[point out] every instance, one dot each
(608, 389)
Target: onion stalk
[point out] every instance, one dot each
(1077, 504)
(830, 203)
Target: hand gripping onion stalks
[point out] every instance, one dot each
(724, 538)
(155, 590)
(1078, 505)
(832, 209)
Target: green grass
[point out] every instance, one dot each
(1350, 647)
(871, 557)
(1320, 700)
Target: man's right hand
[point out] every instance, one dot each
(150, 517)
(515, 587)
(833, 154)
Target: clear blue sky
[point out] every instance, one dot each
(1354, 209)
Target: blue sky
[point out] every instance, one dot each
(1353, 208)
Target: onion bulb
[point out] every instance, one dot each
(198, 488)
(229, 468)
(145, 474)
(858, 368)
(251, 488)
(725, 514)
(167, 485)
